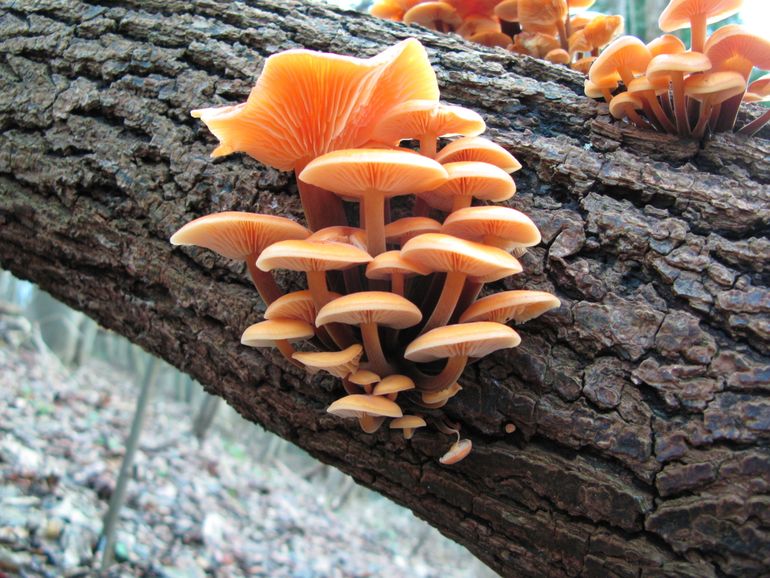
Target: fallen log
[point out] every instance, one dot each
(641, 406)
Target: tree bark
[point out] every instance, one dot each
(642, 405)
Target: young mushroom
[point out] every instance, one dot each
(338, 363)
(500, 227)
(478, 149)
(392, 265)
(407, 424)
(517, 305)
(468, 180)
(370, 410)
(392, 385)
(695, 15)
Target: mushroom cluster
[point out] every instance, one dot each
(669, 88)
(391, 303)
(560, 31)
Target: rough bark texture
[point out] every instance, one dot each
(642, 405)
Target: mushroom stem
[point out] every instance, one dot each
(316, 282)
(461, 202)
(755, 125)
(607, 95)
(371, 336)
(450, 374)
(287, 350)
(715, 116)
(322, 208)
(374, 217)
(697, 32)
(370, 423)
(264, 282)
(562, 29)
(447, 301)
(397, 283)
(703, 120)
(680, 110)
(665, 102)
(728, 113)
(634, 117)
(428, 146)
(658, 111)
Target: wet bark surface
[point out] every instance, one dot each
(642, 405)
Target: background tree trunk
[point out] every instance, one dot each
(642, 406)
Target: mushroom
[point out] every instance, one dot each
(602, 90)
(583, 65)
(558, 56)
(426, 121)
(278, 333)
(734, 48)
(298, 305)
(365, 379)
(438, 16)
(307, 103)
(457, 343)
(478, 149)
(547, 13)
(314, 258)
(369, 310)
(391, 265)
(392, 385)
(491, 39)
(626, 104)
(625, 56)
(500, 227)
(338, 363)
(459, 451)
(437, 399)
(675, 66)
(643, 88)
(519, 305)
(407, 424)
(477, 23)
(711, 89)
(600, 31)
(666, 44)
(460, 259)
(696, 14)
(370, 410)
(373, 176)
(399, 232)
(468, 180)
(242, 237)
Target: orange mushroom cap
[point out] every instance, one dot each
(558, 56)
(734, 48)
(491, 38)
(358, 172)
(510, 227)
(626, 56)
(357, 405)
(307, 103)
(417, 119)
(602, 30)
(384, 265)
(475, 339)
(266, 333)
(518, 305)
(393, 384)
(238, 235)
(688, 63)
(459, 451)
(338, 363)
(311, 256)
(339, 234)
(297, 305)
(402, 230)
(468, 180)
(384, 309)
(666, 44)
(478, 149)
(680, 13)
(434, 15)
(446, 253)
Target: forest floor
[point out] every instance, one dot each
(192, 510)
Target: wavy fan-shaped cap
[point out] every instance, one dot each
(296, 305)
(238, 235)
(307, 103)
(680, 13)
(625, 56)
(734, 48)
